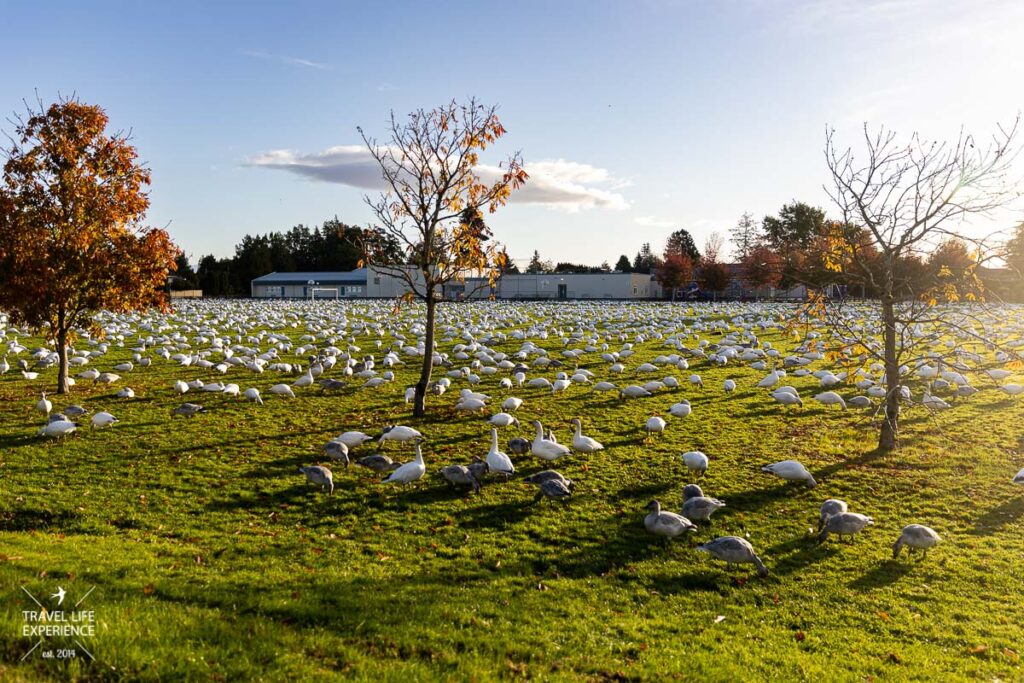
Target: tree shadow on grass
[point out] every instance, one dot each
(998, 517)
(797, 554)
(884, 574)
(36, 520)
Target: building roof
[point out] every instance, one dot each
(351, 277)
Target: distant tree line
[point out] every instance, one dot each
(329, 247)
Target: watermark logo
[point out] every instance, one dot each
(58, 633)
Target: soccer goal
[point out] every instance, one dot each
(324, 292)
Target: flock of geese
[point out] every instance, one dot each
(257, 337)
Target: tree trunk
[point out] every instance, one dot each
(62, 353)
(888, 438)
(419, 403)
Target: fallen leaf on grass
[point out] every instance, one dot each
(719, 619)
(800, 636)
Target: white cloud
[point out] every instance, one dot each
(284, 59)
(559, 184)
(653, 222)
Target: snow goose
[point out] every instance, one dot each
(511, 404)
(538, 478)
(410, 471)
(378, 463)
(734, 550)
(1019, 479)
(282, 390)
(336, 450)
(546, 449)
(581, 443)
(320, 476)
(498, 462)
(845, 524)
(353, 439)
(518, 445)
(916, 537)
(790, 470)
(58, 429)
(43, 405)
(666, 524)
(102, 419)
(681, 409)
(729, 386)
(502, 420)
(253, 394)
(696, 461)
(126, 392)
(831, 398)
(187, 409)
(699, 508)
(399, 433)
(461, 475)
(553, 489)
(832, 506)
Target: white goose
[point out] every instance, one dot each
(544, 448)
(410, 471)
(790, 470)
(666, 524)
(498, 462)
(584, 444)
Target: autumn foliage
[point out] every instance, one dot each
(71, 239)
(437, 194)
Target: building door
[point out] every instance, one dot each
(563, 291)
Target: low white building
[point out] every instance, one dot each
(570, 286)
(301, 285)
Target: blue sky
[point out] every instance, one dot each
(637, 117)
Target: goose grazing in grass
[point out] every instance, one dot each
(698, 507)
(498, 462)
(75, 411)
(681, 409)
(91, 373)
(58, 429)
(861, 402)
(845, 524)
(603, 386)
(832, 506)
(320, 476)
(43, 405)
(786, 398)
(502, 420)
(336, 450)
(633, 391)
(354, 439)
(328, 384)
(511, 404)
(538, 478)
(399, 433)
(916, 537)
(545, 449)
(57, 417)
(378, 463)
(231, 389)
(126, 392)
(282, 390)
(1012, 389)
(102, 419)
(553, 489)
(666, 524)
(470, 405)
(410, 471)
(461, 475)
(519, 446)
(654, 425)
(734, 550)
(180, 386)
(1019, 479)
(831, 398)
(187, 409)
(253, 394)
(696, 381)
(584, 444)
(696, 461)
(108, 378)
(729, 386)
(790, 470)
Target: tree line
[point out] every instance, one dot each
(333, 246)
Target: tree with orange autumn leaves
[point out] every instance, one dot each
(437, 191)
(71, 239)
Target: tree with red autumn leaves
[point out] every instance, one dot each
(71, 239)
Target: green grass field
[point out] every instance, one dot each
(211, 559)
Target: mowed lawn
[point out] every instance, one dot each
(213, 561)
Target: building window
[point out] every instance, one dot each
(376, 280)
(634, 290)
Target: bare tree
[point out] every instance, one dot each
(897, 203)
(436, 193)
